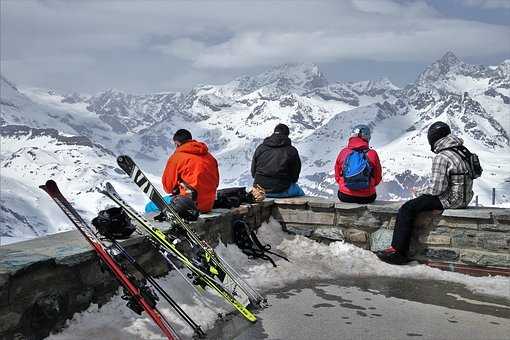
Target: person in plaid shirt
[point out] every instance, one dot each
(450, 188)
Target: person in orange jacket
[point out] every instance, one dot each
(191, 166)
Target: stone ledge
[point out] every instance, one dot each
(447, 236)
(48, 279)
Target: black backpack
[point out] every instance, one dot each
(246, 239)
(471, 159)
(113, 223)
(231, 198)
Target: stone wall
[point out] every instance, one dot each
(44, 281)
(474, 240)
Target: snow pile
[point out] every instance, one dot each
(308, 260)
(312, 260)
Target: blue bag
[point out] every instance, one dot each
(152, 207)
(357, 170)
(294, 190)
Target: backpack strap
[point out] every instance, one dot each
(266, 248)
(462, 151)
(464, 154)
(259, 251)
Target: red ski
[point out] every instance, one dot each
(140, 299)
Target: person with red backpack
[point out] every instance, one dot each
(358, 169)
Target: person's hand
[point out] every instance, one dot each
(258, 193)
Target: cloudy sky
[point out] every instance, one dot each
(148, 46)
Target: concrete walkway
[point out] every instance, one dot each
(374, 308)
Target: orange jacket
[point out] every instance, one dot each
(192, 163)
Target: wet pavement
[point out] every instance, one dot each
(373, 308)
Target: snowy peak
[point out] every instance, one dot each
(285, 78)
(448, 60)
(449, 68)
(306, 76)
(439, 68)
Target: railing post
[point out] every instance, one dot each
(493, 196)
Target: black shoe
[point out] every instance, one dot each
(392, 257)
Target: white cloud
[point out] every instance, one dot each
(416, 40)
(184, 48)
(211, 37)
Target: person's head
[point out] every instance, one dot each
(281, 129)
(361, 131)
(182, 136)
(437, 131)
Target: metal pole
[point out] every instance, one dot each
(493, 196)
(476, 201)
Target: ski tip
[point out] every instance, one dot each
(50, 186)
(110, 189)
(102, 188)
(109, 186)
(122, 159)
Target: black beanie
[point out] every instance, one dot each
(282, 129)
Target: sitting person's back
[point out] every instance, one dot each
(358, 185)
(193, 166)
(276, 165)
(454, 168)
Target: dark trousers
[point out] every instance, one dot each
(405, 219)
(354, 199)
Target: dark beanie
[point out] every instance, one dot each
(182, 136)
(282, 129)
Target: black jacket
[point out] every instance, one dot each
(275, 164)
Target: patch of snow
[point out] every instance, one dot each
(308, 260)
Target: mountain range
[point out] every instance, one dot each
(74, 138)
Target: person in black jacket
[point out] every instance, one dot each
(276, 165)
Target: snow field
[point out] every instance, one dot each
(308, 260)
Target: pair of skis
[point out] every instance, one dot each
(209, 270)
(218, 267)
(140, 297)
(203, 275)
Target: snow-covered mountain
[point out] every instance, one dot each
(75, 137)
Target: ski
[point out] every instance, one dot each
(134, 172)
(203, 276)
(139, 296)
(196, 328)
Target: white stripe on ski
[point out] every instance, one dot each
(133, 174)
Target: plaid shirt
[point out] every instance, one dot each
(450, 180)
